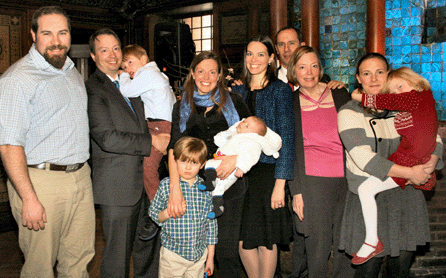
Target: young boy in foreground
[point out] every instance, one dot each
(188, 243)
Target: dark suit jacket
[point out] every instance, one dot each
(120, 140)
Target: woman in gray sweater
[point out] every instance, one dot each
(369, 137)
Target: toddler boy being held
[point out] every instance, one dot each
(188, 242)
(143, 78)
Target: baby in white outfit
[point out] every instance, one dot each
(247, 139)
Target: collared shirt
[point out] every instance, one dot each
(114, 79)
(44, 109)
(154, 89)
(188, 235)
(281, 74)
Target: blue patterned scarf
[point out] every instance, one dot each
(228, 110)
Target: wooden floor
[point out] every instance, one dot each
(11, 257)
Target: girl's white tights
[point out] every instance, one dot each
(367, 192)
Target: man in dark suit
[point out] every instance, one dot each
(120, 140)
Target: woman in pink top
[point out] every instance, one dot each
(319, 187)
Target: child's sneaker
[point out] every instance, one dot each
(218, 210)
(210, 175)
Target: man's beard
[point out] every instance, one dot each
(56, 61)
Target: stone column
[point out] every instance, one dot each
(278, 18)
(376, 22)
(310, 22)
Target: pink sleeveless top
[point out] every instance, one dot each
(322, 145)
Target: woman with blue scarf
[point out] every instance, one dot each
(266, 218)
(205, 109)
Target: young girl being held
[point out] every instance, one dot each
(416, 122)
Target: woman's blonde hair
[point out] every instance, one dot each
(418, 82)
(296, 56)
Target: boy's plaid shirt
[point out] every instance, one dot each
(189, 235)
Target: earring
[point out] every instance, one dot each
(269, 64)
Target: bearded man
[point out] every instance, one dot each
(44, 145)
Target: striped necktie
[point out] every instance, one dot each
(126, 99)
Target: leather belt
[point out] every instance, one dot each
(154, 120)
(55, 167)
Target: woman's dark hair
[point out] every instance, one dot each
(368, 56)
(364, 58)
(189, 85)
(271, 71)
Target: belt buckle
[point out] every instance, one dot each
(72, 168)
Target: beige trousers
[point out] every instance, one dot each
(69, 233)
(173, 265)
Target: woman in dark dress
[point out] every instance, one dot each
(206, 108)
(266, 217)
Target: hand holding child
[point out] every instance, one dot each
(429, 167)
(227, 165)
(160, 142)
(418, 175)
(356, 95)
(238, 173)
